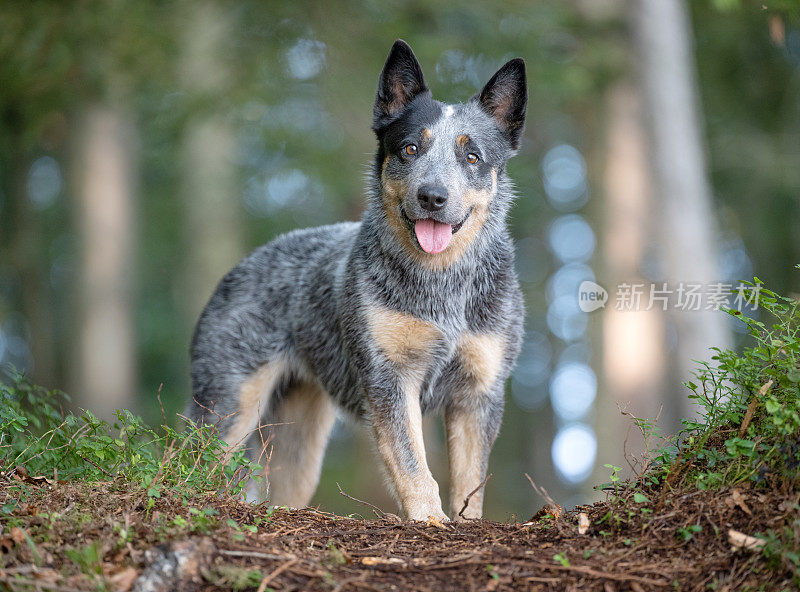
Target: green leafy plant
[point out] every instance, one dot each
(36, 433)
(688, 532)
(748, 403)
(746, 430)
(562, 559)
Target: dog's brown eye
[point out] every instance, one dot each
(472, 158)
(410, 149)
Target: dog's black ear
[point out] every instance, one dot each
(401, 80)
(505, 98)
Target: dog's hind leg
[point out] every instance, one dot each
(303, 422)
(253, 401)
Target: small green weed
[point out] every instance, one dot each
(562, 559)
(687, 533)
(233, 577)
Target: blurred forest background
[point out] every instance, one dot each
(146, 146)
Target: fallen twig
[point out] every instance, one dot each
(255, 554)
(471, 493)
(24, 584)
(378, 512)
(268, 578)
(751, 408)
(610, 576)
(556, 509)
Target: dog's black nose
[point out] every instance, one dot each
(432, 197)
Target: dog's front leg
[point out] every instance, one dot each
(471, 432)
(472, 418)
(397, 424)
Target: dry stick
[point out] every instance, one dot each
(609, 576)
(263, 452)
(211, 410)
(258, 428)
(161, 465)
(542, 493)
(541, 579)
(163, 414)
(58, 586)
(96, 465)
(267, 579)
(378, 512)
(625, 454)
(255, 554)
(471, 493)
(751, 408)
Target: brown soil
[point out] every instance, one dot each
(105, 536)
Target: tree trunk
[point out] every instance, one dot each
(634, 350)
(213, 227)
(686, 230)
(105, 215)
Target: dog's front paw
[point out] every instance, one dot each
(437, 522)
(427, 514)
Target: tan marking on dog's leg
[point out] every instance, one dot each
(298, 448)
(254, 396)
(466, 452)
(402, 448)
(400, 336)
(481, 358)
(404, 340)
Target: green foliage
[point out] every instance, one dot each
(334, 556)
(88, 558)
(747, 429)
(562, 559)
(234, 577)
(782, 548)
(686, 533)
(748, 425)
(38, 434)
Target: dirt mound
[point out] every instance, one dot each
(72, 536)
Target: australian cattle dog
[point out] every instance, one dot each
(415, 309)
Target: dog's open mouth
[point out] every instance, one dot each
(432, 236)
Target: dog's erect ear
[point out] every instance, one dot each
(401, 80)
(505, 97)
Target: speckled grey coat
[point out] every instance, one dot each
(360, 317)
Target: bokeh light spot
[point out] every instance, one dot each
(571, 239)
(573, 389)
(573, 452)
(44, 182)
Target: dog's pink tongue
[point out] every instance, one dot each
(433, 236)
